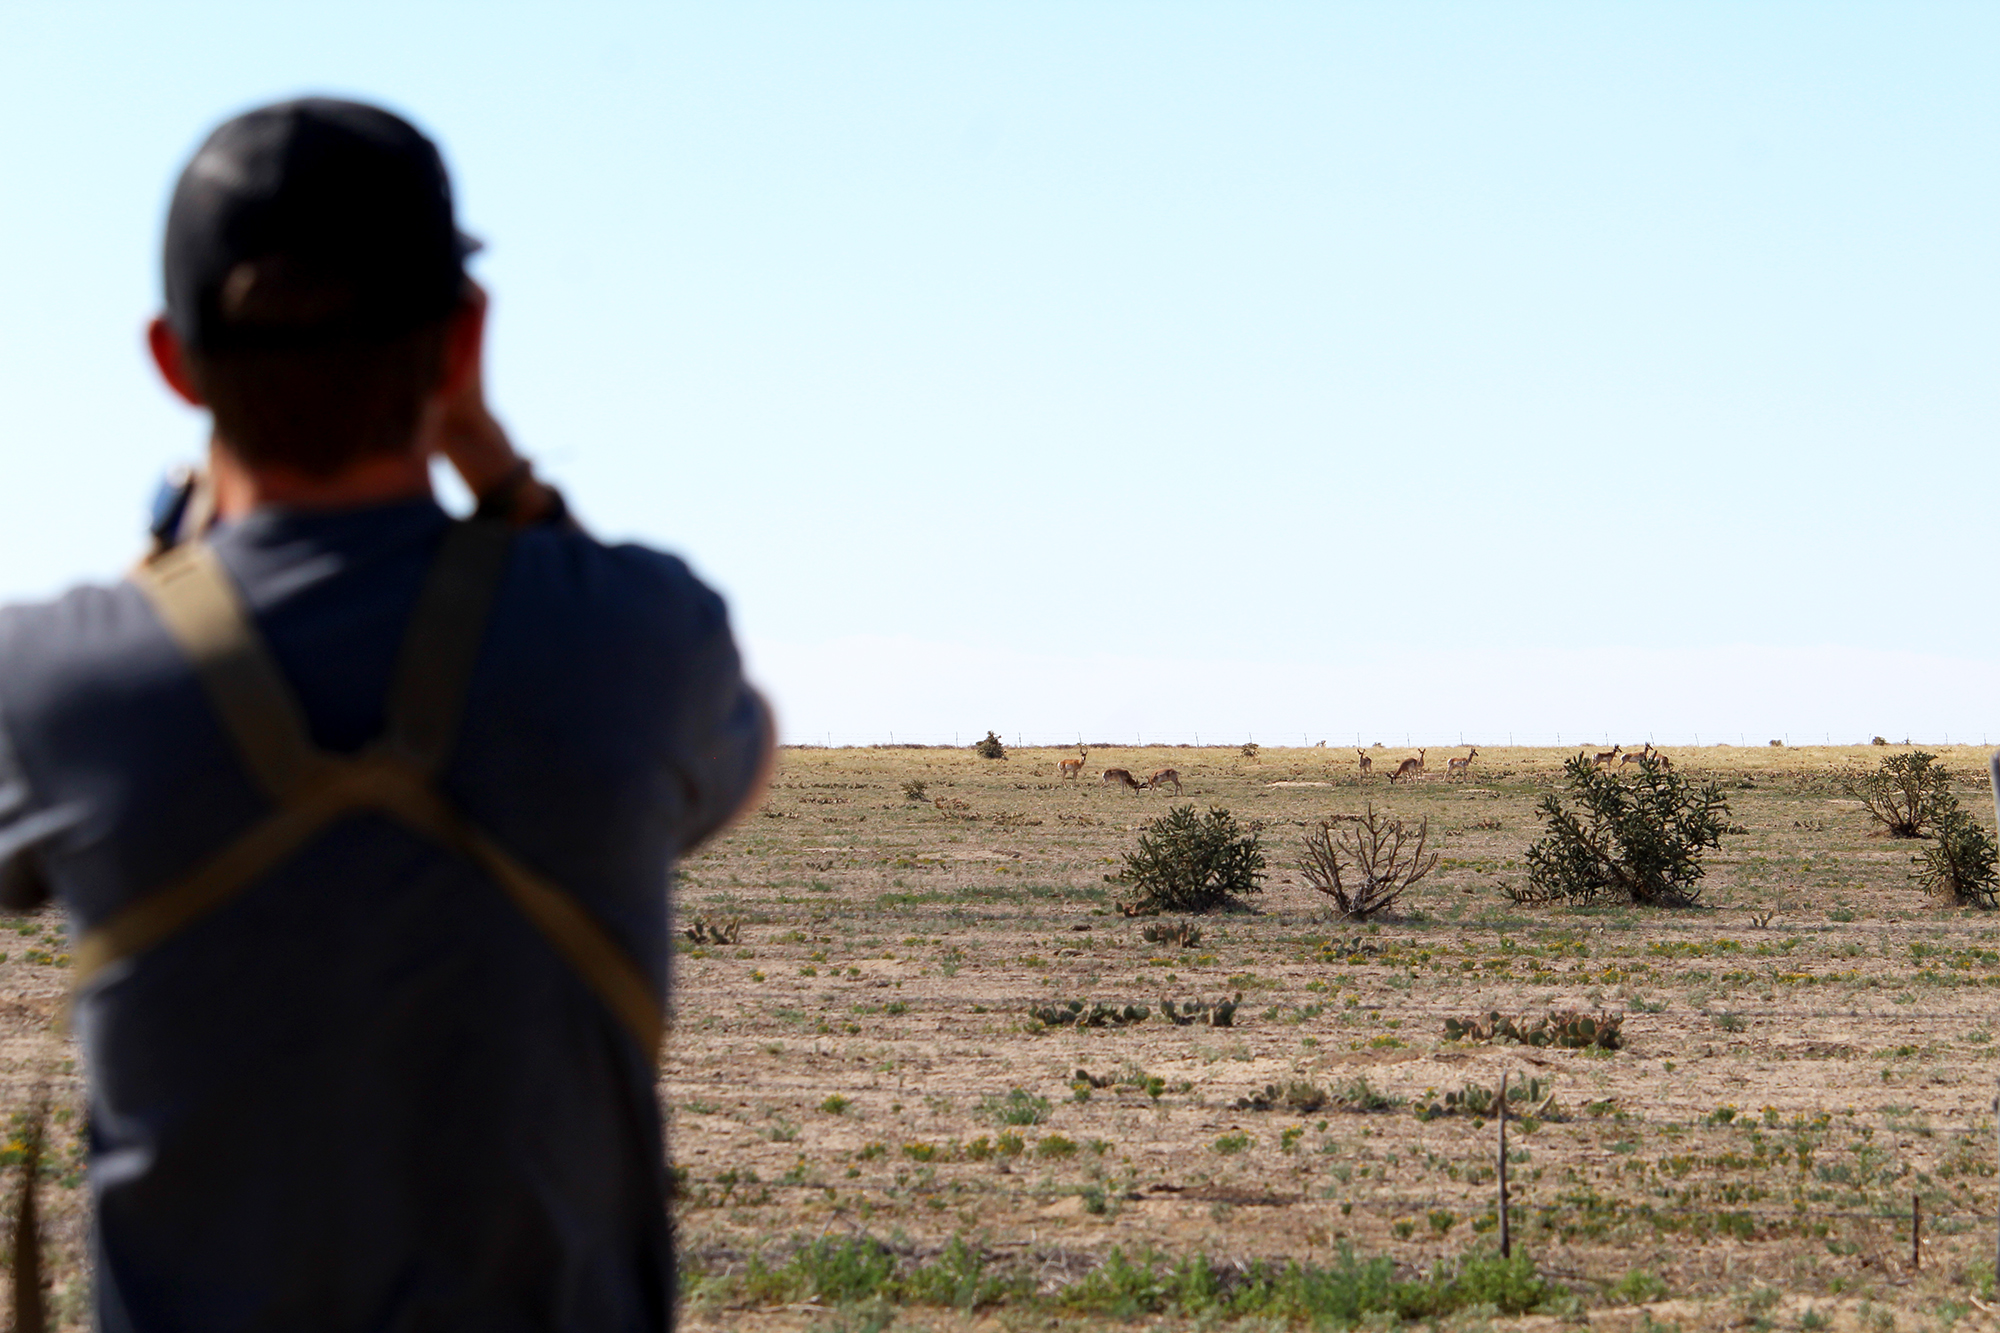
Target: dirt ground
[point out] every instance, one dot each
(1806, 1053)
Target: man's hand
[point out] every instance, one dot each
(464, 430)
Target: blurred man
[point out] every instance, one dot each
(364, 818)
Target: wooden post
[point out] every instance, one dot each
(26, 1277)
(1506, 1244)
(1916, 1232)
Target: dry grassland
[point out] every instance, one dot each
(1805, 1053)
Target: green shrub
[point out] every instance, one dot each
(870, 1279)
(1342, 1294)
(1357, 1094)
(1908, 794)
(991, 748)
(1959, 867)
(1018, 1107)
(1636, 839)
(1637, 1287)
(1192, 863)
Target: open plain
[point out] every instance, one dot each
(1806, 1055)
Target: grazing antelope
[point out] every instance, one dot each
(1367, 764)
(1605, 757)
(1118, 776)
(1071, 767)
(1164, 776)
(1409, 767)
(1458, 766)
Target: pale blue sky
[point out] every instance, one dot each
(991, 357)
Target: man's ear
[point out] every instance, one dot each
(171, 357)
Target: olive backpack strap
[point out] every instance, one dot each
(198, 603)
(434, 666)
(425, 705)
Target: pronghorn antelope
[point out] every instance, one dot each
(1604, 757)
(1409, 767)
(1639, 756)
(1165, 776)
(1071, 767)
(1455, 765)
(1114, 777)
(1367, 764)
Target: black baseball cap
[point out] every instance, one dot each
(311, 222)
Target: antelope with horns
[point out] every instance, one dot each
(1164, 776)
(1367, 764)
(1409, 767)
(1639, 756)
(1456, 767)
(1071, 767)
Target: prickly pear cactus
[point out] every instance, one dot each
(1569, 1029)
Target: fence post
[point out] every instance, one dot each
(1916, 1232)
(1506, 1244)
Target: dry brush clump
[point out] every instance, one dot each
(1297, 1096)
(1636, 839)
(1184, 934)
(704, 931)
(1216, 1014)
(1219, 1013)
(1368, 863)
(1075, 1013)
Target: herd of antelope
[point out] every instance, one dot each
(1412, 768)
(1121, 777)
(1408, 770)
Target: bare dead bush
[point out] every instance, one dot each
(1367, 865)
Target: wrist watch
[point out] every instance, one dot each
(503, 500)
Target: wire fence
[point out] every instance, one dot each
(1575, 1208)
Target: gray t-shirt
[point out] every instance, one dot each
(367, 1093)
